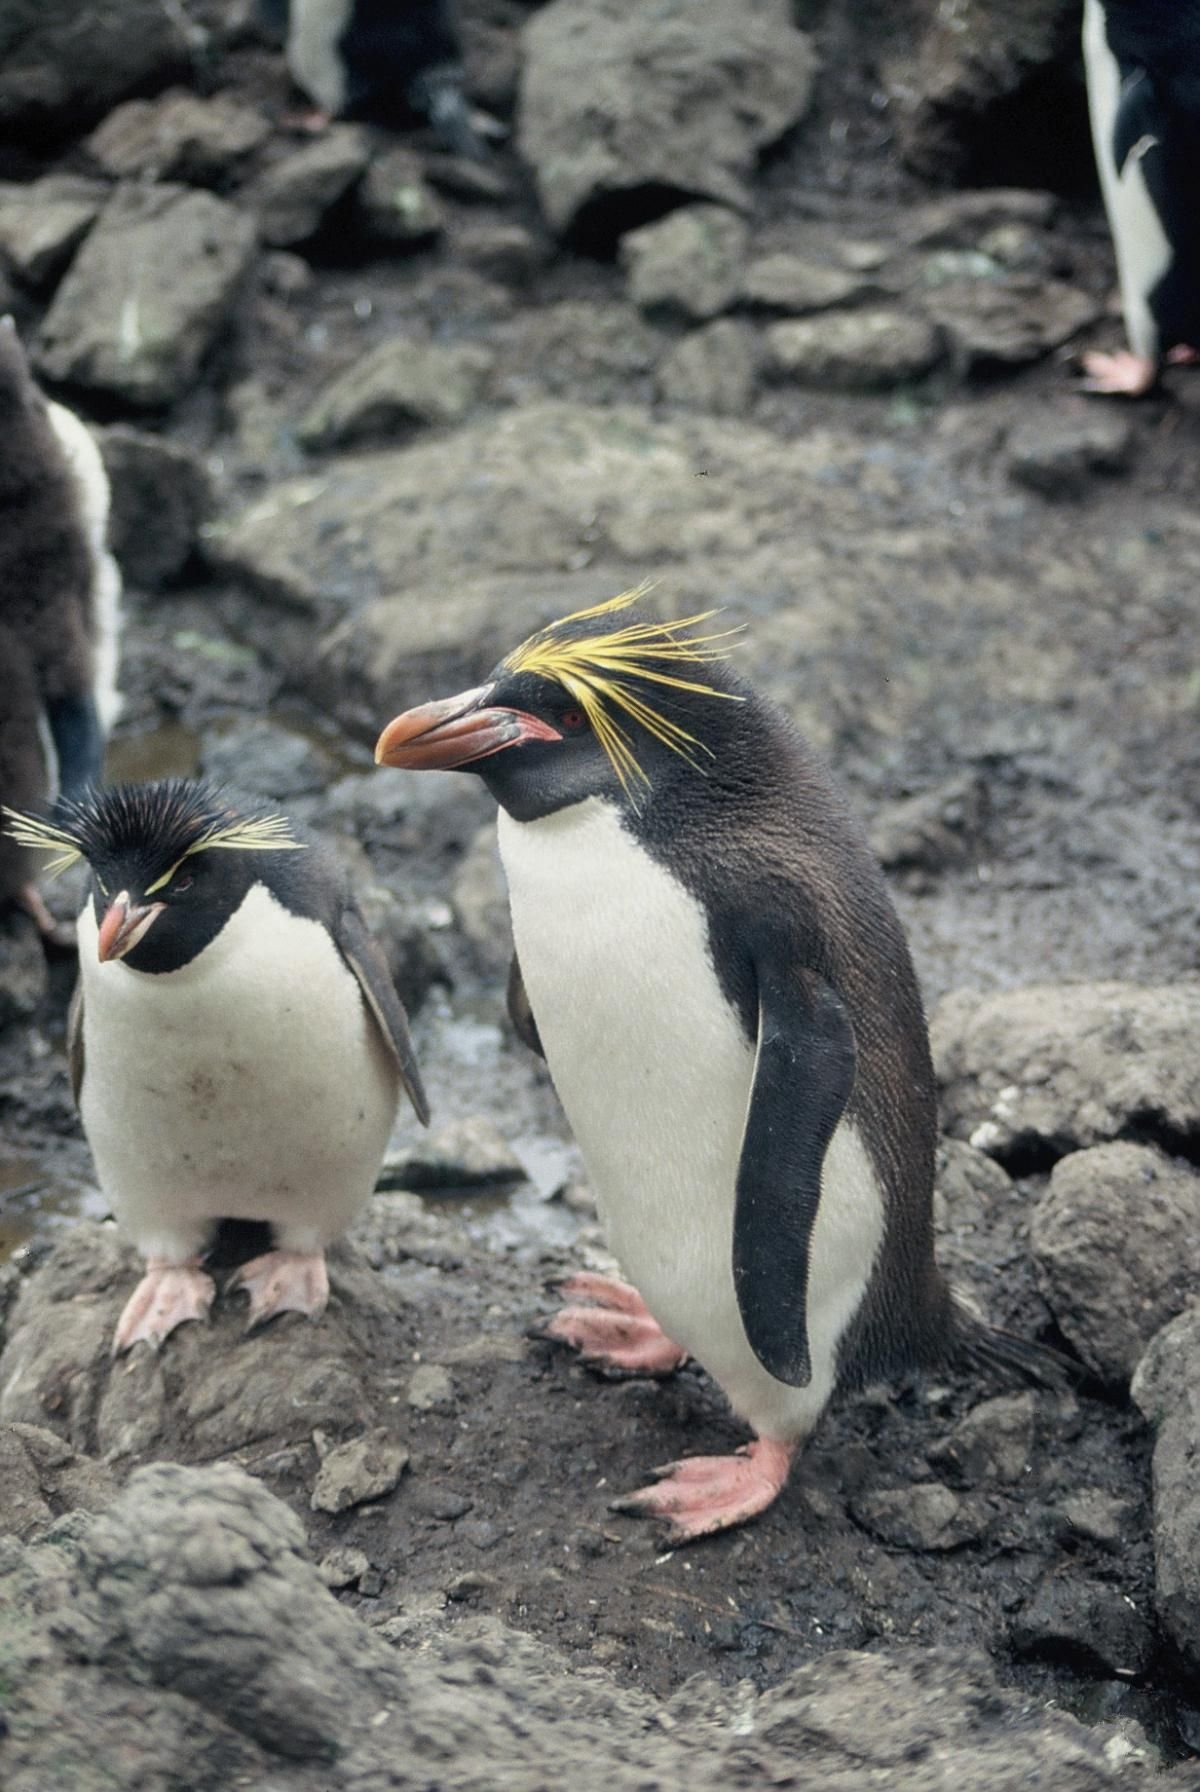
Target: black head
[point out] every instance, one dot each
(170, 862)
(586, 707)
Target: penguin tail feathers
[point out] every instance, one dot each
(999, 1352)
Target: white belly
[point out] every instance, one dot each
(1142, 249)
(251, 1084)
(91, 484)
(655, 1075)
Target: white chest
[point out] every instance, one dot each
(655, 1074)
(1142, 248)
(251, 1084)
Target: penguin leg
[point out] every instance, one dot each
(617, 1333)
(1121, 375)
(284, 1282)
(56, 933)
(169, 1294)
(703, 1494)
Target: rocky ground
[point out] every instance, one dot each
(371, 412)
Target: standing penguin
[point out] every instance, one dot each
(386, 61)
(725, 1001)
(59, 609)
(237, 1046)
(1142, 59)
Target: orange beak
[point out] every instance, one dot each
(457, 731)
(124, 924)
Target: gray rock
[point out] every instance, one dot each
(1055, 1067)
(1116, 1240)
(935, 830)
(1166, 1388)
(794, 284)
(466, 1154)
(507, 253)
(365, 1468)
(928, 1515)
(430, 1386)
(161, 497)
(480, 898)
(147, 294)
(993, 1442)
(294, 197)
(213, 1390)
(963, 220)
(1099, 1517)
(680, 96)
(972, 61)
(179, 136)
(42, 224)
(64, 63)
(399, 386)
(1060, 456)
(993, 324)
(404, 929)
(343, 1567)
(689, 264)
(41, 1476)
(1088, 1624)
(24, 977)
(712, 369)
(266, 759)
(394, 205)
(189, 1617)
(855, 351)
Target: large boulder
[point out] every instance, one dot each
(64, 63)
(1167, 1389)
(1044, 1070)
(678, 100)
(1116, 1239)
(147, 295)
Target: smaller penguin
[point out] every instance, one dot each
(59, 610)
(388, 62)
(710, 963)
(1142, 59)
(237, 1046)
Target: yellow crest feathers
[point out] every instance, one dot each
(602, 672)
(41, 836)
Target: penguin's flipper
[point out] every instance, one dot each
(1138, 123)
(78, 741)
(367, 962)
(803, 1075)
(519, 1010)
(75, 1040)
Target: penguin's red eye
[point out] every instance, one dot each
(572, 720)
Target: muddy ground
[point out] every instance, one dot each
(1041, 647)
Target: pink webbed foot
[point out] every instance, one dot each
(1183, 355)
(703, 1494)
(1124, 374)
(284, 1282)
(168, 1295)
(616, 1333)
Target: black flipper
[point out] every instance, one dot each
(1138, 124)
(78, 742)
(75, 1040)
(803, 1076)
(519, 1010)
(367, 962)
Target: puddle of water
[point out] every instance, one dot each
(170, 751)
(35, 1200)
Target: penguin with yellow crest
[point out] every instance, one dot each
(711, 965)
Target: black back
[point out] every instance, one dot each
(389, 48)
